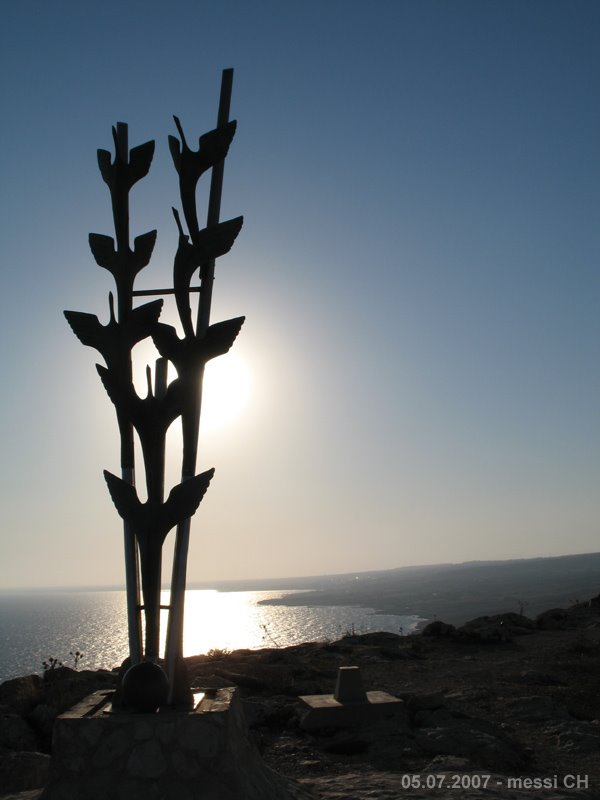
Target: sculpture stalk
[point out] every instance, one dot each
(191, 421)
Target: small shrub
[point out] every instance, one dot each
(51, 663)
(217, 653)
(268, 636)
(76, 656)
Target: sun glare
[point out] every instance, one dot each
(224, 620)
(226, 391)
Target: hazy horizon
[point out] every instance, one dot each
(418, 377)
(226, 582)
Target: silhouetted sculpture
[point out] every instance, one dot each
(146, 525)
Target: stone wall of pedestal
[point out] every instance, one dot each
(205, 754)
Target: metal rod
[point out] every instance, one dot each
(158, 491)
(207, 271)
(132, 584)
(149, 292)
(174, 645)
(121, 208)
(160, 379)
(120, 202)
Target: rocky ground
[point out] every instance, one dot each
(496, 699)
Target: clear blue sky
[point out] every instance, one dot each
(419, 268)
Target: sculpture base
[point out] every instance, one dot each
(203, 754)
(324, 711)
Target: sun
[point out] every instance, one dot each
(226, 391)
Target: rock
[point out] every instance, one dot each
(451, 764)
(578, 737)
(581, 710)
(64, 687)
(211, 681)
(346, 744)
(438, 628)
(553, 619)
(518, 623)
(243, 679)
(300, 687)
(539, 678)
(255, 713)
(483, 630)
(471, 694)
(535, 709)
(20, 771)
(427, 710)
(423, 702)
(497, 628)
(58, 674)
(433, 718)
(476, 740)
(594, 602)
(374, 638)
(586, 643)
(22, 694)
(42, 720)
(271, 712)
(16, 733)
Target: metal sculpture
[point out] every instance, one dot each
(146, 525)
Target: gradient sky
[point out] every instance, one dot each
(420, 183)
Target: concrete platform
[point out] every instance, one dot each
(203, 754)
(324, 711)
(349, 705)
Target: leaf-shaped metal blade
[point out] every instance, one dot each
(115, 339)
(143, 518)
(109, 340)
(218, 239)
(140, 158)
(105, 166)
(214, 145)
(142, 250)
(220, 337)
(175, 148)
(155, 520)
(166, 341)
(188, 353)
(86, 327)
(142, 321)
(187, 261)
(185, 498)
(124, 496)
(125, 265)
(103, 250)
(121, 396)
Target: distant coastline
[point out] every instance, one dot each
(452, 592)
(458, 592)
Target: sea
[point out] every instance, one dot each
(36, 626)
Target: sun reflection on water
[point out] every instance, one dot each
(37, 625)
(224, 620)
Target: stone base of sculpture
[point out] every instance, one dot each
(204, 754)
